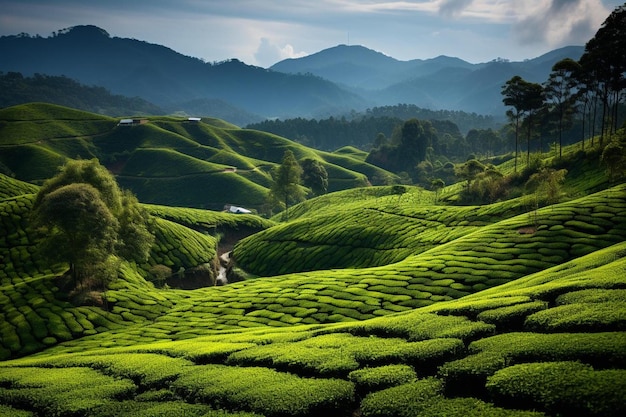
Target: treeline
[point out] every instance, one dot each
(587, 93)
(18, 89)
(465, 121)
(363, 130)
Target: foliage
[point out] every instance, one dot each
(286, 185)
(263, 390)
(314, 176)
(566, 388)
(64, 91)
(80, 229)
(375, 379)
(85, 216)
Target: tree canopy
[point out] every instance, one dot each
(287, 179)
(87, 220)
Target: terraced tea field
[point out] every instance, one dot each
(479, 355)
(370, 302)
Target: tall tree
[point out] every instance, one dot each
(606, 54)
(533, 102)
(559, 93)
(287, 178)
(513, 92)
(314, 176)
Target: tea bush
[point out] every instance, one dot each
(563, 388)
(264, 391)
(375, 379)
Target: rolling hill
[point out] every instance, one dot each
(501, 332)
(368, 302)
(163, 160)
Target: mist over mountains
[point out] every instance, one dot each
(331, 82)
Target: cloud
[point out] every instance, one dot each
(453, 8)
(560, 22)
(270, 53)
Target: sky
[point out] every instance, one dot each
(263, 32)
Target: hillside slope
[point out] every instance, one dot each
(548, 343)
(163, 160)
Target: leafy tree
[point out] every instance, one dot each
(287, 178)
(314, 176)
(88, 221)
(469, 170)
(614, 157)
(533, 102)
(416, 138)
(547, 182)
(436, 185)
(135, 238)
(81, 230)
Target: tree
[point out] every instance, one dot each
(436, 185)
(80, 228)
(558, 92)
(532, 104)
(547, 182)
(605, 57)
(314, 176)
(416, 138)
(469, 170)
(513, 92)
(614, 157)
(88, 221)
(286, 186)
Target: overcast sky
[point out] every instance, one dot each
(263, 32)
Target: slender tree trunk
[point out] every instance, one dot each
(561, 132)
(516, 140)
(583, 125)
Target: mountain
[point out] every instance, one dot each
(333, 81)
(358, 67)
(168, 79)
(17, 89)
(438, 83)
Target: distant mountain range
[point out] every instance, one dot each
(331, 82)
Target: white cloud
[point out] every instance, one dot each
(270, 53)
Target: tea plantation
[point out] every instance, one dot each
(368, 302)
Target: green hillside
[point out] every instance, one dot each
(371, 301)
(548, 343)
(163, 160)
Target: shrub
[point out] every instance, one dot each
(511, 317)
(264, 391)
(563, 388)
(340, 353)
(375, 379)
(468, 375)
(65, 391)
(580, 317)
(406, 400)
(423, 326)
